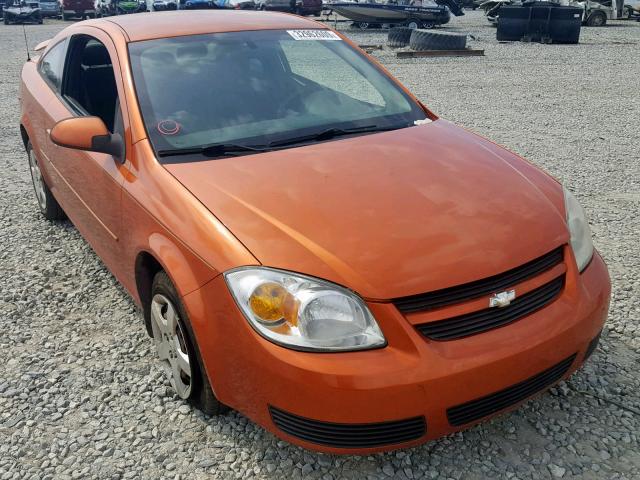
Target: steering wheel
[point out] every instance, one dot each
(288, 102)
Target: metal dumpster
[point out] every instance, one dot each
(544, 22)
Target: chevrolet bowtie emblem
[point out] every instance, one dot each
(502, 299)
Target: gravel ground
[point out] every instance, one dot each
(81, 395)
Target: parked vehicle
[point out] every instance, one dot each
(632, 9)
(106, 8)
(596, 13)
(236, 4)
(277, 5)
(308, 242)
(77, 9)
(163, 5)
(199, 4)
(310, 7)
(50, 8)
(22, 12)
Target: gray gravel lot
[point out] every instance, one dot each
(81, 395)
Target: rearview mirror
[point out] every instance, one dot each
(87, 133)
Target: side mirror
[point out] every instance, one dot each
(87, 133)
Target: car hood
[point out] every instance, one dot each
(388, 214)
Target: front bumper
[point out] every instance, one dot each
(78, 13)
(413, 377)
(53, 12)
(160, 7)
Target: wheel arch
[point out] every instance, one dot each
(146, 268)
(24, 135)
(186, 272)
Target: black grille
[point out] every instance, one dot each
(477, 409)
(593, 344)
(468, 291)
(349, 435)
(489, 318)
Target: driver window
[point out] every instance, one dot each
(52, 64)
(90, 85)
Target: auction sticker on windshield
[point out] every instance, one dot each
(313, 35)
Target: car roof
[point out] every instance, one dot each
(147, 26)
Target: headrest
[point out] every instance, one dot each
(95, 54)
(197, 50)
(162, 58)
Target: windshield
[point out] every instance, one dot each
(260, 88)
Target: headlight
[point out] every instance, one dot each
(581, 242)
(303, 313)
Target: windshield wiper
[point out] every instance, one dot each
(330, 133)
(220, 149)
(213, 149)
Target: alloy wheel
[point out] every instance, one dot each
(38, 181)
(170, 340)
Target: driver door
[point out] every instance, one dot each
(92, 182)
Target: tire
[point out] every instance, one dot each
(430, 40)
(174, 339)
(597, 19)
(399, 37)
(6, 21)
(49, 206)
(413, 24)
(64, 17)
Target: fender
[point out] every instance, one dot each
(187, 274)
(186, 271)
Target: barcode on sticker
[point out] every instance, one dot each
(313, 35)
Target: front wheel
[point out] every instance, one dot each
(49, 206)
(177, 349)
(597, 19)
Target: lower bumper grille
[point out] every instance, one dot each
(489, 318)
(482, 407)
(347, 435)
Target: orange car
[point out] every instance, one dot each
(310, 245)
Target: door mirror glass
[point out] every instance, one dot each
(87, 133)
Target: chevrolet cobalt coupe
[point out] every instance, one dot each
(309, 243)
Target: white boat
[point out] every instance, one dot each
(414, 14)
